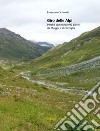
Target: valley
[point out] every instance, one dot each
(39, 85)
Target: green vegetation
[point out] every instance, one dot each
(27, 105)
(82, 48)
(82, 53)
(14, 48)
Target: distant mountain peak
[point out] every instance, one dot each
(47, 44)
(3, 30)
(6, 31)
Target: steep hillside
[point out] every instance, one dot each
(38, 95)
(76, 62)
(15, 48)
(82, 48)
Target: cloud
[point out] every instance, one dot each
(28, 17)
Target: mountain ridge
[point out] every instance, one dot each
(13, 47)
(82, 48)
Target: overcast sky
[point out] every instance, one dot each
(28, 18)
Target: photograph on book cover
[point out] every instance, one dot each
(49, 65)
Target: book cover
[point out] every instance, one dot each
(49, 65)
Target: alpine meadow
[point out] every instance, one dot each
(40, 84)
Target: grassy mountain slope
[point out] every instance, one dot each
(82, 48)
(27, 106)
(3, 73)
(15, 48)
(76, 62)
